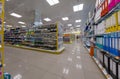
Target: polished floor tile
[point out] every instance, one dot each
(73, 63)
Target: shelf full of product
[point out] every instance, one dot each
(68, 37)
(106, 35)
(47, 37)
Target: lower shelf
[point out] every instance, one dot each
(38, 49)
(102, 69)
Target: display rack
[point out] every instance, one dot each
(1, 39)
(106, 27)
(15, 36)
(68, 38)
(45, 38)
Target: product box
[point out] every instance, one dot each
(111, 66)
(111, 4)
(119, 42)
(103, 9)
(106, 7)
(119, 20)
(117, 2)
(114, 68)
(113, 20)
(113, 44)
(116, 52)
(98, 14)
(106, 62)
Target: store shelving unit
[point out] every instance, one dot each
(15, 36)
(106, 36)
(1, 39)
(68, 38)
(45, 38)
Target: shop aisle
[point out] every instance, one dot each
(73, 63)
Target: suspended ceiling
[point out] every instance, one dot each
(26, 8)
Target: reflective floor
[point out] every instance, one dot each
(73, 63)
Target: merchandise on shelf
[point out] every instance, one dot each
(68, 38)
(107, 35)
(108, 61)
(107, 26)
(118, 20)
(100, 28)
(103, 7)
(49, 37)
(109, 42)
(15, 36)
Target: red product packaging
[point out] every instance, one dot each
(106, 7)
(103, 7)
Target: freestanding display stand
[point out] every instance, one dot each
(1, 39)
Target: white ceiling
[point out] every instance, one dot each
(26, 8)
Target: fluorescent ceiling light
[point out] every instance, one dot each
(20, 22)
(69, 24)
(78, 7)
(4, 22)
(9, 25)
(78, 26)
(65, 18)
(7, 0)
(47, 19)
(23, 26)
(16, 15)
(52, 2)
(78, 21)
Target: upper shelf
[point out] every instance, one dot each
(115, 9)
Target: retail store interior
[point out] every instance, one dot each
(60, 39)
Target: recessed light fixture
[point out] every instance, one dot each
(78, 26)
(16, 15)
(77, 8)
(20, 22)
(52, 2)
(78, 21)
(47, 19)
(4, 22)
(65, 18)
(23, 26)
(69, 24)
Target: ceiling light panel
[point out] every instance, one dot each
(23, 26)
(65, 18)
(78, 26)
(16, 15)
(7, 0)
(53, 2)
(47, 19)
(20, 22)
(69, 24)
(77, 8)
(78, 21)
(9, 25)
